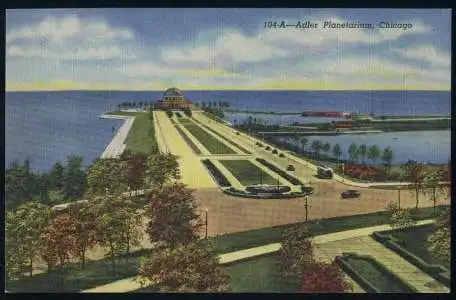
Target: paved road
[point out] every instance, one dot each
(131, 284)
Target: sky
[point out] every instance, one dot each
(226, 49)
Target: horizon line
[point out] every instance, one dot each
(235, 90)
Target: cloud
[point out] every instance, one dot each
(70, 38)
(427, 53)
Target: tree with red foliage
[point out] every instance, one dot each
(84, 219)
(172, 214)
(57, 240)
(324, 278)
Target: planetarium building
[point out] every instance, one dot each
(173, 98)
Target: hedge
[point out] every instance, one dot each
(237, 193)
(279, 171)
(189, 142)
(363, 282)
(437, 272)
(216, 173)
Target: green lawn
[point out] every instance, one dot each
(377, 275)
(415, 242)
(212, 144)
(247, 173)
(187, 140)
(141, 137)
(260, 274)
(74, 279)
(253, 238)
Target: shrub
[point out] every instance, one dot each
(274, 151)
(281, 155)
(237, 132)
(290, 168)
(259, 144)
(268, 148)
(218, 175)
(282, 173)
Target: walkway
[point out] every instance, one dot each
(226, 156)
(131, 284)
(117, 144)
(193, 172)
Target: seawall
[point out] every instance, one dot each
(117, 144)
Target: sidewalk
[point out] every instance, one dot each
(117, 144)
(130, 284)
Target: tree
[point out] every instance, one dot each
(172, 214)
(19, 184)
(57, 176)
(400, 218)
(110, 228)
(74, 178)
(106, 175)
(135, 166)
(432, 185)
(415, 174)
(15, 251)
(353, 153)
(132, 222)
(439, 242)
(326, 148)
(373, 153)
(197, 104)
(296, 252)
(316, 147)
(84, 219)
(161, 168)
(337, 151)
(362, 149)
(387, 157)
(25, 225)
(325, 278)
(57, 241)
(192, 267)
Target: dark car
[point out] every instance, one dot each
(307, 190)
(350, 194)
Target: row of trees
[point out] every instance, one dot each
(213, 104)
(297, 261)
(355, 152)
(61, 184)
(112, 219)
(140, 104)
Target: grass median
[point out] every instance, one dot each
(141, 137)
(212, 144)
(247, 173)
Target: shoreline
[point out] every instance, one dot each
(117, 145)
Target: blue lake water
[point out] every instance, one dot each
(422, 146)
(46, 127)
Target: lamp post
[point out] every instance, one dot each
(306, 205)
(206, 213)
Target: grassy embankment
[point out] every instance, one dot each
(247, 173)
(99, 272)
(212, 144)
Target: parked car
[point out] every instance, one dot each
(350, 194)
(307, 189)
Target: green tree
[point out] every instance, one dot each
(135, 166)
(75, 178)
(373, 154)
(172, 214)
(57, 176)
(387, 157)
(19, 185)
(337, 151)
(316, 147)
(439, 242)
(353, 152)
(400, 218)
(193, 267)
(161, 168)
(415, 173)
(432, 185)
(296, 252)
(362, 149)
(16, 255)
(106, 175)
(326, 148)
(25, 225)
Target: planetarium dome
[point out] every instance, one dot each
(173, 92)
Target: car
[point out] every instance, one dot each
(307, 190)
(350, 194)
